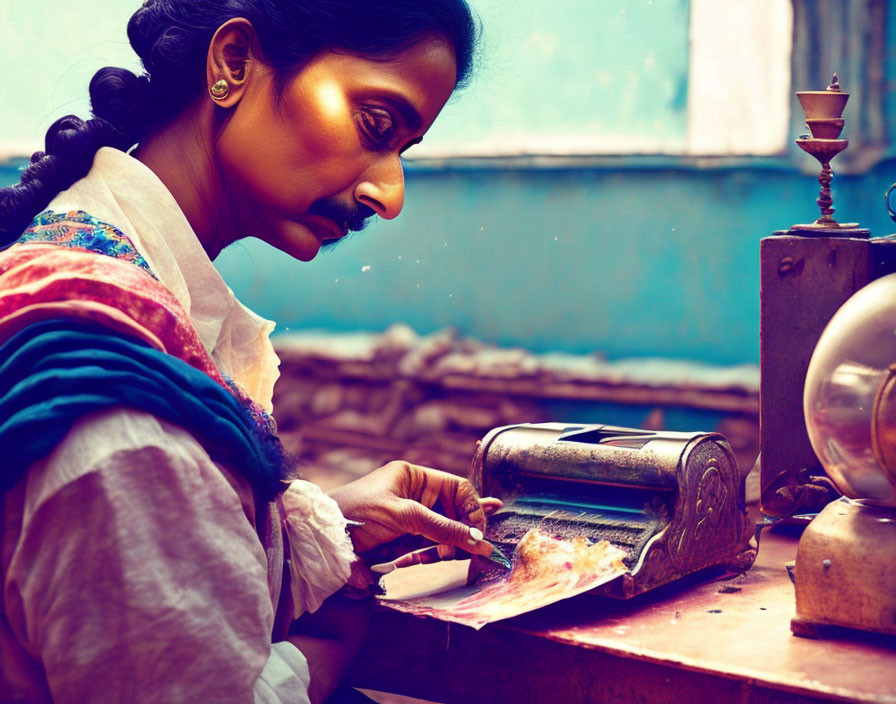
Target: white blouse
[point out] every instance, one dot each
(131, 567)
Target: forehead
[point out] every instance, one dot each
(422, 76)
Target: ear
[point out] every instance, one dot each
(233, 57)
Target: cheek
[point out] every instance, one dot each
(255, 161)
(286, 161)
(323, 136)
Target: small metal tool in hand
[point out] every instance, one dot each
(431, 554)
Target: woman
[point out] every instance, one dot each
(154, 544)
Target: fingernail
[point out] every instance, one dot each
(383, 568)
(475, 536)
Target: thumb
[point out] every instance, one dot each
(440, 529)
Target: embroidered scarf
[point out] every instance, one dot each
(56, 371)
(84, 327)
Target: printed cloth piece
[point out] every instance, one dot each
(78, 229)
(545, 569)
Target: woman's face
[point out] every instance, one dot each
(303, 169)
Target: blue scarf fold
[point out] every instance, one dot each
(54, 372)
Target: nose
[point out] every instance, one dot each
(382, 187)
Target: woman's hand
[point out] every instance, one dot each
(398, 499)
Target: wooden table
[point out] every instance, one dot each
(700, 641)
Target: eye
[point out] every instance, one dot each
(377, 125)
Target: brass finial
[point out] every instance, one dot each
(824, 117)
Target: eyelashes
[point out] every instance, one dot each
(378, 125)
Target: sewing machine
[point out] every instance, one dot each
(673, 501)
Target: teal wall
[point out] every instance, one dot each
(627, 262)
(642, 257)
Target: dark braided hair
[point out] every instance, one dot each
(172, 37)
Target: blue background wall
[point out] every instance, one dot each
(634, 261)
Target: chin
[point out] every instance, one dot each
(296, 240)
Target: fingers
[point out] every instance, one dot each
(455, 494)
(426, 556)
(444, 530)
(388, 551)
(461, 502)
(490, 505)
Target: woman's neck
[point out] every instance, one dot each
(182, 155)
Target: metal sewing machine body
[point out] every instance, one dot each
(673, 501)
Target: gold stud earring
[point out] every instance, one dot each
(220, 89)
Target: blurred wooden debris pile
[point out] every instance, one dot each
(349, 402)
